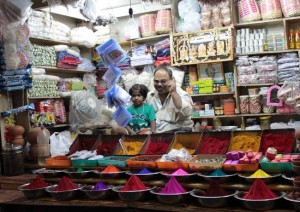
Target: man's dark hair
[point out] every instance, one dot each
(166, 69)
(141, 88)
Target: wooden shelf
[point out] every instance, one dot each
(267, 52)
(58, 126)
(62, 70)
(145, 40)
(48, 97)
(259, 23)
(212, 94)
(244, 115)
(259, 85)
(45, 41)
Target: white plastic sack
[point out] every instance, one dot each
(60, 143)
(132, 30)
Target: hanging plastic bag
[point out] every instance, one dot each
(131, 30)
(122, 116)
(60, 143)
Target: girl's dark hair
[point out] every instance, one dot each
(141, 88)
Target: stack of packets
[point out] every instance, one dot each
(249, 157)
(202, 86)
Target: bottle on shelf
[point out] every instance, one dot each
(292, 39)
(297, 39)
(43, 139)
(197, 127)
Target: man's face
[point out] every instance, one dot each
(161, 79)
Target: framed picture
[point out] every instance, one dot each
(211, 70)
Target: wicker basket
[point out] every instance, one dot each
(248, 11)
(270, 9)
(290, 8)
(147, 25)
(163, 24)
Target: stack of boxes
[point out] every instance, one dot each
(275, 42)
(202, 86)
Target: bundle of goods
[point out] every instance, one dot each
(248, 11)
(147, 25)
(270, 9)
(102, 33)
(83, 36)
(253, 70)
(43, 55)
(68, 60)
(11, 80)
(289, 93)
(290, 8)
(44, 86)
(288, 67)
(42, 25)
(190, 17)
(162, 52)
(163, 24)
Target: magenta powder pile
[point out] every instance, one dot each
(172, 187)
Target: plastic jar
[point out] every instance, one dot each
(244, 104)
(265, 122)
(217, 123)
(266, 108)
(13, 160)
(229, 107)
(254, 104)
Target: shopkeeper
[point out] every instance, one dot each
(172, 105)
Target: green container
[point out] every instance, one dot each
(275, 167)
(84, 162)
(118, 161)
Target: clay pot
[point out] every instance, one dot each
(18, 141)
(32, 135)
(33, 153)
(16, 131)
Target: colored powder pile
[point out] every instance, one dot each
(218, 172)
(106, 148)
(134, 184)
(259, 174)
(172, 187)
(111, 169)
(259, 190)
(65, 183)
(144, 171)
(180, 172)
(157, 148)
(37, 182)
(79, 170)
(283, 142)
(179, 146)
(211, 145)
(132, 148)
(215, 190)
(100, 186)
(245, 143)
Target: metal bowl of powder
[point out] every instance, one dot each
(63, 195)
(131, 196)
(170, 199)
(93, 194)
(32, 193)
(258, 204)
(267, 179)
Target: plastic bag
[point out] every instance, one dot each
(131, 30)
(89, 10)
(60, 143)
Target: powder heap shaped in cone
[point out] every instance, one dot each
(37, 182)
(259, 190)
(134, 184)
(100, 186)
(145, 171)
(180, 172)
(65, 183)
(172, 187)
(111, 169)
(215, 190)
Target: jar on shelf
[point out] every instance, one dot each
(217, 123)
(266, 108)
(244, 104)
(265, 122)
(254, 104)
(229, 107)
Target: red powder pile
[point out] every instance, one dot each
(65, 183)
(111, 169)
(259, 190)
(215, 190)
(211, 145)
(283, 142)
(37, 183)
(106, 148)
(157, 148)
(133, 184)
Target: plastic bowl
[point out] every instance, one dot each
(178, 177)
(169, 199)
(131, 196)
(97, 194)
(213, 202)
(63, 195)
(49, 173)
(258, 205)
(33, 193)
(266, 180)
(147, 176)
(220, 179)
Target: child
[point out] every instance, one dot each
(143, 115)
